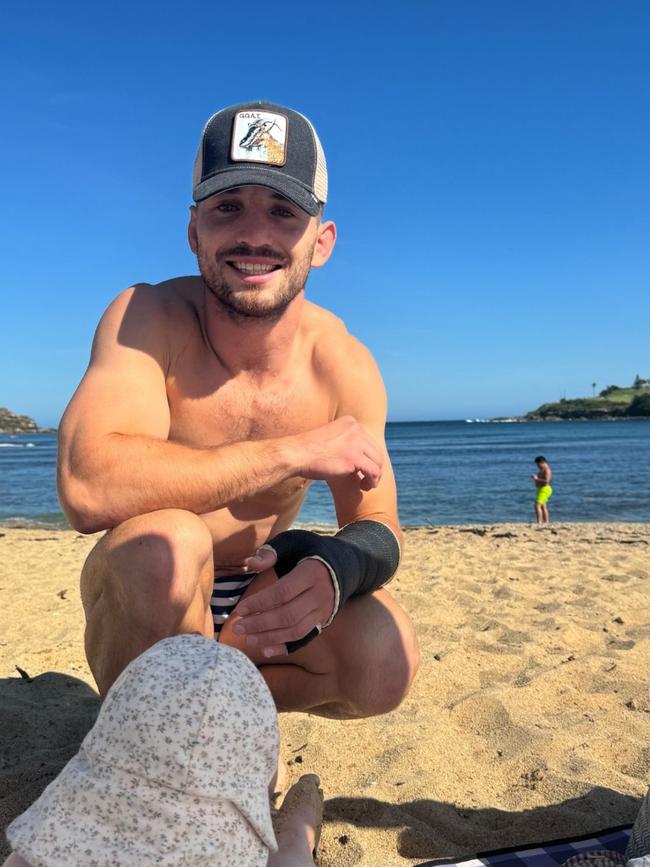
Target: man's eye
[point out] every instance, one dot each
(226, 207)
(282, 212)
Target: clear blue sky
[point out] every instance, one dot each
(489, 175)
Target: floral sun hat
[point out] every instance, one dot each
(175, 770)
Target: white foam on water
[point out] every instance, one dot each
(17, 445)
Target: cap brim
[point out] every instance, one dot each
(90, 816)
(260, 176)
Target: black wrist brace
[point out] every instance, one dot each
(361, 557)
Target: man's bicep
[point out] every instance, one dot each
(129, 399)
(123, 390)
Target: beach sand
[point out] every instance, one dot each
(529, 719)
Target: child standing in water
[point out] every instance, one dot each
(542, 479)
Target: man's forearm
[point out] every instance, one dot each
(126, 475)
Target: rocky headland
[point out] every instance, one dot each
(612, 403)
(10, 423)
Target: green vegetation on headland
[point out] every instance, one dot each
(612, 402)
(10, 423)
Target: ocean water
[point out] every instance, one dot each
(447, 473)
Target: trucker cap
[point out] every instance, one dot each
(263, 144)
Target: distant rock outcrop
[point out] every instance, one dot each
(613, 402)
(10, 423)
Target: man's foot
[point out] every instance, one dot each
(297, 824)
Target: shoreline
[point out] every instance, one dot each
(26, 524)
(556, 418)
(486, 420)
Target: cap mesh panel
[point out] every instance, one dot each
(320, 177)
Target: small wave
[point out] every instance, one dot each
(17, 445)
(53, 521)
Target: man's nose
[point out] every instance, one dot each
(253, 229)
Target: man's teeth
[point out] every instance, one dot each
(253, 268)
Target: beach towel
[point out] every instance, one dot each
(544, 854)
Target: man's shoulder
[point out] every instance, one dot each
(340, 359)
(169, 297)
(333, 345)
(152, 317)
(149, 308)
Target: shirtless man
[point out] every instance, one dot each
(542, 479)
(209, 405)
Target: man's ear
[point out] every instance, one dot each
(191, 231)
(324, 244)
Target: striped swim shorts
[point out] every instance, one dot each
(226, 593)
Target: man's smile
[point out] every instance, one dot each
(253, 268)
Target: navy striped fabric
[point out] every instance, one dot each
(226, 593)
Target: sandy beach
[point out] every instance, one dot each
(529, 719)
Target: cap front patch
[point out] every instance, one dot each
(260, 137)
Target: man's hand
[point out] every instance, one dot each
(287, 611)
(340, 448)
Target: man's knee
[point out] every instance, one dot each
(376, 679)
(159, 555)
(400, 665)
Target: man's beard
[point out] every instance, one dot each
(252, 302)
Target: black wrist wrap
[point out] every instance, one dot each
(364, 555)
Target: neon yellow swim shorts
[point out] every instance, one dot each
(543, 494)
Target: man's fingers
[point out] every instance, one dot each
(369, 473)
(264, 558)
(275, 639)
(367, 483)
(375, 454)
(280, 593)
(281, 618)
(277, 650)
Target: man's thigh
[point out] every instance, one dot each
(147, 579)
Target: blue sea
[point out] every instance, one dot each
(447, 473)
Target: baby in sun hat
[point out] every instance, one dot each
(175, 771)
